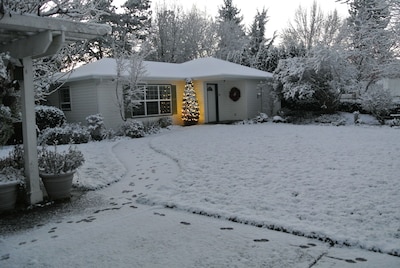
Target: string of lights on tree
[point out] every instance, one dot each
(190, 106)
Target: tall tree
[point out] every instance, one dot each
(182, 35)
(256, 54)
(231, 34)
(312, 27)
(130, 27)
(372, 39)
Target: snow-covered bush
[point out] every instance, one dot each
(261, 118)
(165, 122)
(6, 127)
(132, 128)
(378, 102)
(55, 162)
(15, 158)
(11, 166)
(151, 127)
(278, 119)
(49, 117)
(314, 82)
(394, 122)
(96, 126)
(331, 119)
(68, 133)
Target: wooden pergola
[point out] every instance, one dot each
(28, 37)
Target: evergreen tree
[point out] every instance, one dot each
(257, 52)
(372, 40)
(190, 107)
(130, 28)
(229, 12)
(232, 37)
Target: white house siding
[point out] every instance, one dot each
(260, 100)
(254, 99)
(83, 101)
(393, 85)
(229, 109)
(108, 105)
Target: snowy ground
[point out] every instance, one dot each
(329, 182)
(340, 183)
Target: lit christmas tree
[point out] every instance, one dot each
(190, 107)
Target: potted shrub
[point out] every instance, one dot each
(11, 178)
(57, 169)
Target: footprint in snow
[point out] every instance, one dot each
(226, 228)
(159, 214)
(348, 260)
(127, 191)
(4, 257)
(361, 259)
(261, 240)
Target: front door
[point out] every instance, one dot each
(212, 103)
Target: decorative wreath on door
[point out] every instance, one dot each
(234, 94)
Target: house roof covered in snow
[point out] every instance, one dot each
(203, 68)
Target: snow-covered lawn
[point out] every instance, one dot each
(340, 183)
(334, 183)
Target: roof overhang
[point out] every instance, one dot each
(34, 36)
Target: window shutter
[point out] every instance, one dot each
(174, 104)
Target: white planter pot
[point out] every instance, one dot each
(8, 195)
(58, 186)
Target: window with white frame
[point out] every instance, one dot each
(156, 100)
(65, 98)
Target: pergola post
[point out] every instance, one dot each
(30, 37)
(35, 194)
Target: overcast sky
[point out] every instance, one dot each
(279, 11)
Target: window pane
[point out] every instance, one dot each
(65, 99)
(165, 92)
(138, 110)
(152, 107)
(65, 106)
(137, 94)
(152, 93)
(165, 107)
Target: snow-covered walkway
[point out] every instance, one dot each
(107, 228)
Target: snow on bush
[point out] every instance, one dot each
(68, 133)
(260, 118)
(49, 117)
(332, 119)
(6, 128)
(96, 126)
(165, 122)
(132, 129)
(278, 119)
(151, 127)
(378, 102)
(394, 122)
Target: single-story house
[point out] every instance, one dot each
(390, 84)
(91, 89)
(393, 85)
